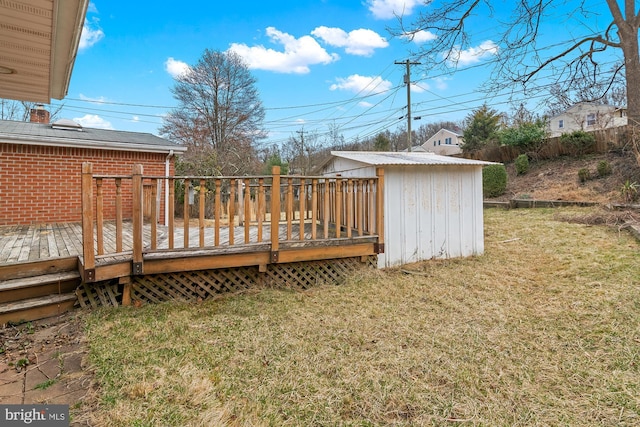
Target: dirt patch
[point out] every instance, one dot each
(557, 179)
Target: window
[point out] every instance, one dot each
(560, 123)
(447, 141)
(591, 119)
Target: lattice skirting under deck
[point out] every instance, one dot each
(203, 284)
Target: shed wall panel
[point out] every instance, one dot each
(431, 212)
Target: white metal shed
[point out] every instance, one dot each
(432, 207)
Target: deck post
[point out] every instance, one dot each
(380, 211)
(88, 253)
(137, 212)
(275, 213)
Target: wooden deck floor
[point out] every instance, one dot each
(36, 242)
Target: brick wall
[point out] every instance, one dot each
(41, 184)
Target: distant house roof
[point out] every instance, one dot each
(28, 133)
(456, 131)
(378, 158)
(588, 105)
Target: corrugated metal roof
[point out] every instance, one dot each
(378, 158)
(43, 134)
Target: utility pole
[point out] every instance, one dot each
(303, 157)
(407, 81)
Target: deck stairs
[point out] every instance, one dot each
(37, 290)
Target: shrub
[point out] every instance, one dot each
(494, 180)
(526, 135)
(604, 168)
(584, 175)
(578, 142)
(629, 191)
(522, 164)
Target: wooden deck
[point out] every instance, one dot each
(39, 242)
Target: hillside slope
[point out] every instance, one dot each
(557, 179)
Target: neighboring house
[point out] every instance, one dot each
(41, 165)
(588, 117)
(433, 206)
(445, 142)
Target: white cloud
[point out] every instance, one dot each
(91, 34)
(420, 37)
(135, 119)
(362, 84)
(472, 55)
(92, 8)
(98, 100)
(419, 88)
(388, 9)
(297, 56)
(360, 42)
(93, 121)
(365, 104)
(175, 67)
(441, 83)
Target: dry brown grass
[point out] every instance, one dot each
(557, 179)
(541, 330)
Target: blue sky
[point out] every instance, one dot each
(317, 63)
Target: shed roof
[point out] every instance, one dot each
(383, 158)
(28, 133)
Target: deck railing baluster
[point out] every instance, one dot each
(172, 212)
(154, 214)
(314, 208)
(185, 215)
(260, 212)
(201, 193)
(99, 217)
(349, 212)
(303, 208)
(327, 208)
(118, 214)
(232, 214)
(359, 205)
(247, 210)
(289, 207)
(217, 209)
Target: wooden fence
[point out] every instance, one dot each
(605, 140)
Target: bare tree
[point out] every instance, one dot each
(301, 152)
(220, 115)
(21, 110)
(519, 57)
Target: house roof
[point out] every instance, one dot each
(38, 44)
(588, 105)
(386, 158)
(27, 133)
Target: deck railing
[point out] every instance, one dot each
(222, 212)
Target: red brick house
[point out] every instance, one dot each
(41, 163)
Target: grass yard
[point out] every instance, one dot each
(543, 329)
